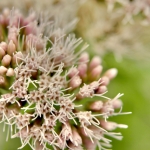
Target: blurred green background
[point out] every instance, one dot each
(134, 81)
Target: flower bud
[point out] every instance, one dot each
(13, 37)
(2, 53)
(84, 57)
(30, 18)
(77, 140)
(2, 80)
(95, 73)
(111, 73)
(6, 60)
(75, 82)
(117, 103)
(4, 17)
(10, 72)
(11, 48)
(89, 145)
(94, 62)
(3, 45)
(6, 12)
(96, 106)
(16, 59)
(101, 89)
(108, 125)
(105, 80)
(3, 70)
(72, 72)
(82, 70)
(2, 21)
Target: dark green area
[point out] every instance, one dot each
(133, 80)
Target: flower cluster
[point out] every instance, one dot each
(131, 9)
(52, 97)
(111, 32)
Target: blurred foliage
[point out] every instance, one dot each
(133, 80)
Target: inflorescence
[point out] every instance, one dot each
(52, 97)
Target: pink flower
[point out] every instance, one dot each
(54, 95)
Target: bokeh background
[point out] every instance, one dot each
(123, 46)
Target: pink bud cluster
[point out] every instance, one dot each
(54, 96)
